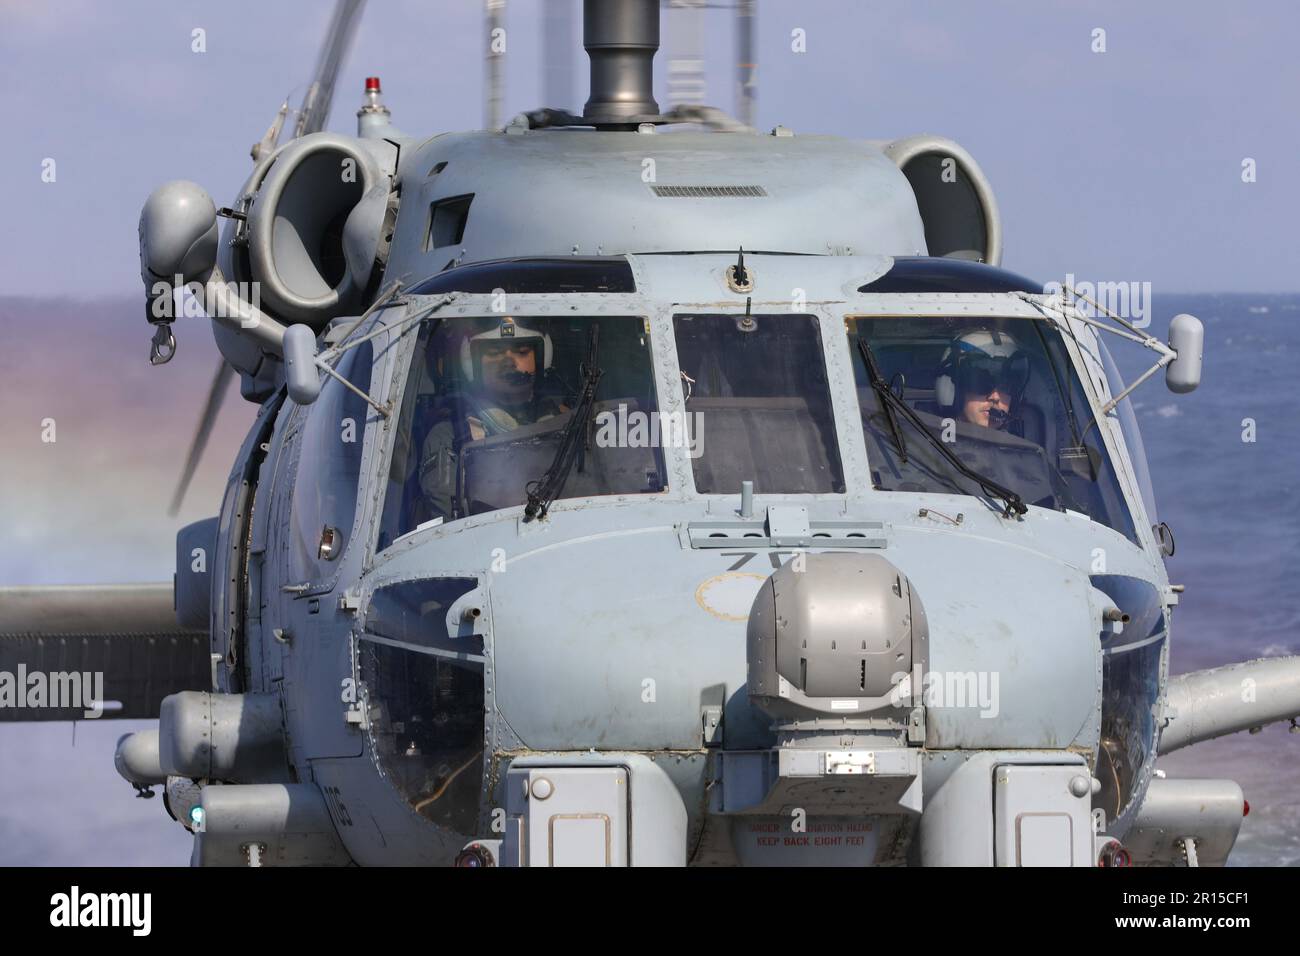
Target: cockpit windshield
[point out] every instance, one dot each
(1002, 395)
(758, 404)
(488, 416)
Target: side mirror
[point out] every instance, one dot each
(1186, 337)
(300, 370)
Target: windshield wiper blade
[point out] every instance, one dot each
(1013, 502)
(882, 388)
(544, 490)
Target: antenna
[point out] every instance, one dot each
(495, 15)
(746, 62)
(687, 84)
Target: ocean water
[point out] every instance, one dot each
(1232, 504)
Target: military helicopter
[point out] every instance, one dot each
(629, 495)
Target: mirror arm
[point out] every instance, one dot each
(384, 409)
(388, 295)
(1164, 360)
(324, 359)
(397, 328)
(1133, 334)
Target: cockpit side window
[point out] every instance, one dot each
(324, 503)
(1003, 395)
(489, 407)
(758, 404)
(1128, 425)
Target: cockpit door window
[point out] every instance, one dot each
(1132, 434)
(324, 504)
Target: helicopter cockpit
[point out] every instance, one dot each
(557, 400)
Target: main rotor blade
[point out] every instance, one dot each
(316, 104)
(209, 418)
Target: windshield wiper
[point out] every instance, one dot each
(890, 402)
(544, 490)
(884, 391)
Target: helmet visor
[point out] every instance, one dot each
(985, 374)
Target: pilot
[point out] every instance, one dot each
(982, 378)
(500, 370)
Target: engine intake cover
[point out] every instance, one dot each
(953, 197)
(312, 239)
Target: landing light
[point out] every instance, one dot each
(1114, 854)
(475, 856)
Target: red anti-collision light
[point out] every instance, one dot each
(372, 84)
(1245, 808)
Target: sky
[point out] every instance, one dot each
(1122, 165)
(1115, 166)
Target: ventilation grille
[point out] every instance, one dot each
(709, 192)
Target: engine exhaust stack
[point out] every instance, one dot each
(621, 38)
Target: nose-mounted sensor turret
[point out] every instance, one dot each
(832, 636)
